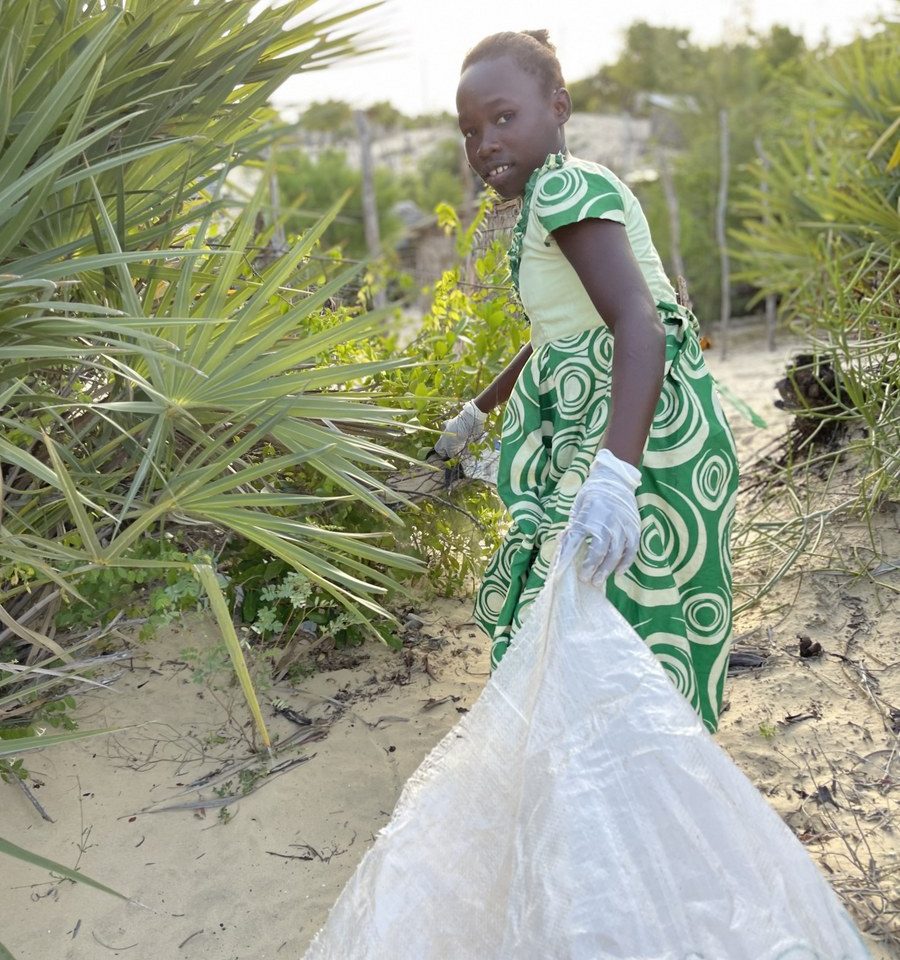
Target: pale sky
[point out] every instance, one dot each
(427, 39)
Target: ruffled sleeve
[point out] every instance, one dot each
(570, 194)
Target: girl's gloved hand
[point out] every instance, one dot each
(605, 510)
(466, 427)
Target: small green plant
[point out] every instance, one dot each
(56, 714)
(205, 664)
(472, 331)
(767, 730)
(223, 789)
(11, 770)
(53, 713)
(248, 778)
(107, 591)
(180, 592)
(282, 608)
(283, 604)
(110, 590)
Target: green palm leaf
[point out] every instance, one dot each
(20, 853)
(17, 745)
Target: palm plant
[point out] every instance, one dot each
(829, 247)
(146, 359)
(150, 371)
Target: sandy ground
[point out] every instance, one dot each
(819, 735)
(814, 734)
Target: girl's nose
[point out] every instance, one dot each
(487, 146)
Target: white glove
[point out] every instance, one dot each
(605, 510)
(466, 427)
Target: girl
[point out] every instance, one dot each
(627, 447)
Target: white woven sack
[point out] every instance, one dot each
(581, 811)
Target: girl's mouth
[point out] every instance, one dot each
(494, 174)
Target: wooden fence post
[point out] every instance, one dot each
(721, 210)
(668, 185)
(771, 315)
(369, 204)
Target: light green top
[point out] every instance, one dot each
(551, 292)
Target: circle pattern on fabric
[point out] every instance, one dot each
(514, 417)
(528, 463)
(559, 190)
(711, 479)
(674, 653)
(602, 355)
(564, 446)
(527, 512)
(726, 519)
(673, 538)
(490, 601)
(576, 346)
(574, 388)
(680, 427)
(596, 416)
(503, 561)
(707, 614)
(692, 360)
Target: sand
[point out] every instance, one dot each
(814, 734)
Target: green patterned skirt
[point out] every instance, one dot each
(677, 594)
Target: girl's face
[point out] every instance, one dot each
(509, 121)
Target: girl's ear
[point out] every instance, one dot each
(562, 104)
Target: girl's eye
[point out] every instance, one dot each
(468, 134)
(504, 118)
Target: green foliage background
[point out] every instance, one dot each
(751, 79)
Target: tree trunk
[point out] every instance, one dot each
(721, 209)
(369, 205)
(668, 184)
(771, 315)
(277, 245)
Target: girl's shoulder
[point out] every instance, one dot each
(570, 162)
(567, 166)
(574, 189)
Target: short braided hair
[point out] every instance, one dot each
(531, 50)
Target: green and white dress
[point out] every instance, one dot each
(677, 594)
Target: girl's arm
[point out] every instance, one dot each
(498, 392)
(601, 255)
(468, 424)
